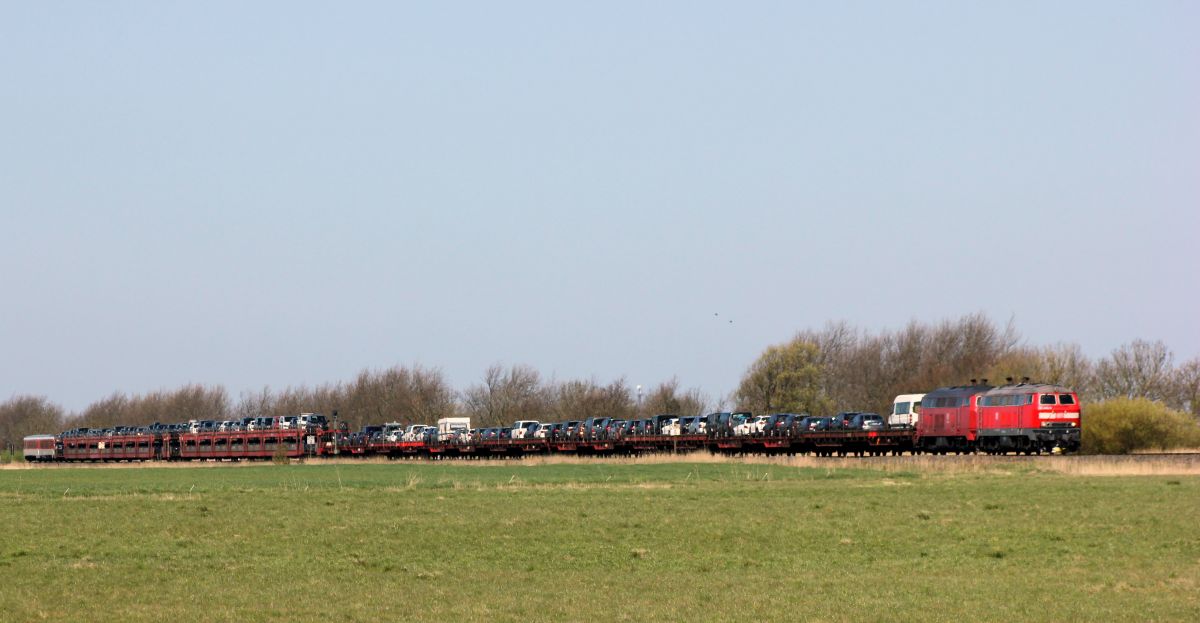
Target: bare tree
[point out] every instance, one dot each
(195, 402)
(571, 400)
(866, 383)
(431, 397)
(667, 398)
(1065, 364)
(505, 396)
(399, 394)
(662, 399)
(1186, 389)
(104, 413)
(580, 400)
(259, 403)
(1016, 364)
(1139, 368)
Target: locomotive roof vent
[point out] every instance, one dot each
(1024, 379)
(1008, 379)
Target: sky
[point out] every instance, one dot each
(284, 193)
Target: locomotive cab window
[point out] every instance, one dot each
(1066, 399)
(1047, 399)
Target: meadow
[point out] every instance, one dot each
(604, 540)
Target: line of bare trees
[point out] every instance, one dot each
(843, 368)
(819, 372)
(519, 392)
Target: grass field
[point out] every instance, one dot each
(600, 541)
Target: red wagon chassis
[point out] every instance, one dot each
(265, 444)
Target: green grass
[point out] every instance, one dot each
(597, 541)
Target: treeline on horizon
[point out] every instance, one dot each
(837, 368)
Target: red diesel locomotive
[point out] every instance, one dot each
(949, 419)
(1024, 418)
(1027, 418)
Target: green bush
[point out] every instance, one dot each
(1124, 425)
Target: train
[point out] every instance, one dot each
(1023, 418)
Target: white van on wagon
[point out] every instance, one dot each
(522, 429)
(906, 410)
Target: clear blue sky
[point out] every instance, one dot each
(265, 193)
